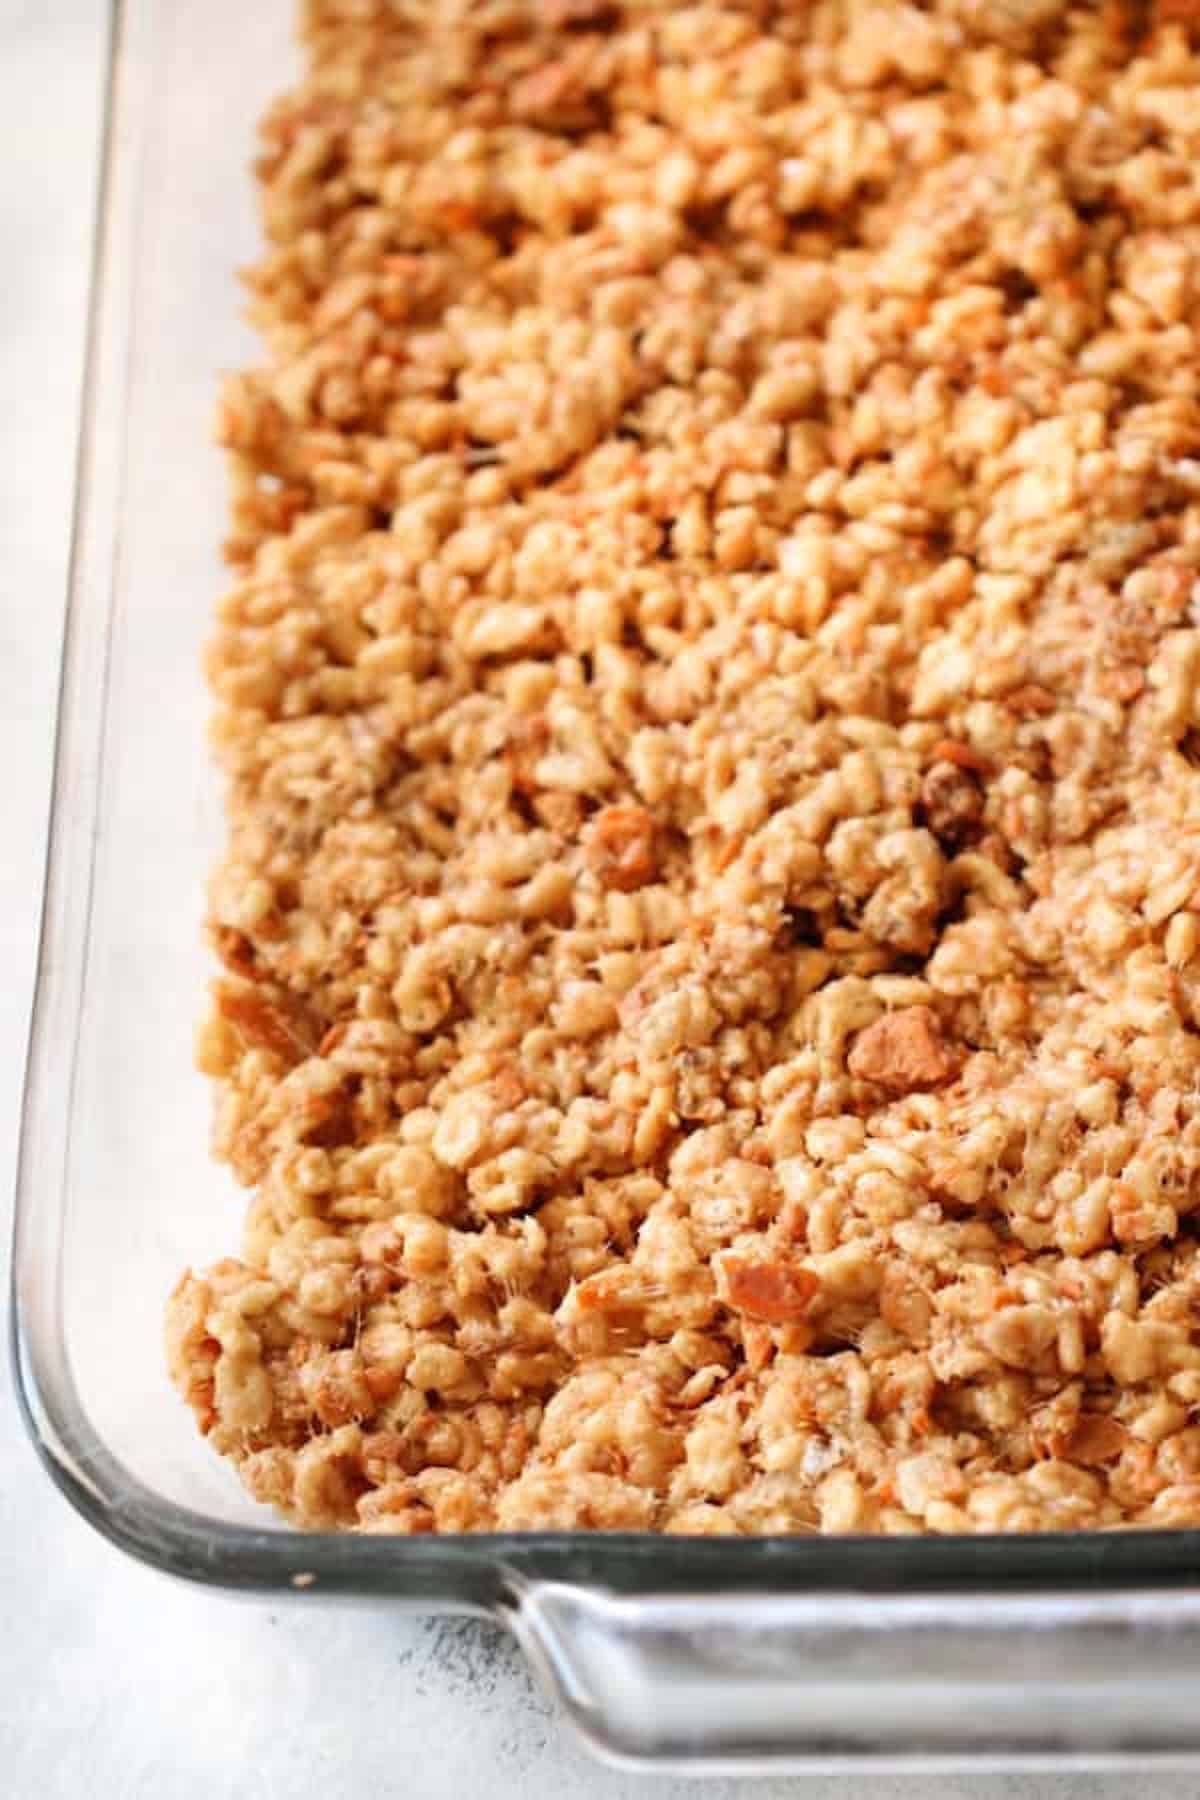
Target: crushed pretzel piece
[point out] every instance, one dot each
(777, 1293)
(902, 1051)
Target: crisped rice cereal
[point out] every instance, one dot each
(710, 1010)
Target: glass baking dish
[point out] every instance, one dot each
(680, 1652)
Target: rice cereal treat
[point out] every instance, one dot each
(709, 1017)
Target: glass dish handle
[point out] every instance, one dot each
(744, 1681)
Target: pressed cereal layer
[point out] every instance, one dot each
(710, 1010)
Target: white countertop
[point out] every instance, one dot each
(114, 1681)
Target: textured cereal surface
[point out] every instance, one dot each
(710, 701)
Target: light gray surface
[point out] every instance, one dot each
(113, 1682)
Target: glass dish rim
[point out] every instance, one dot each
(481, 1571)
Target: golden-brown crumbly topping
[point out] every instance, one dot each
(711, 710)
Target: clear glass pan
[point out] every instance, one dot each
(688, 1653)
